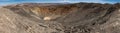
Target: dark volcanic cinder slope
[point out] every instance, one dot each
(60, 18)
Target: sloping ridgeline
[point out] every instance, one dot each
(60, 18)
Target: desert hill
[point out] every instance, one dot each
(60, 18)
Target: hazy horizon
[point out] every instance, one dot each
(7, 2)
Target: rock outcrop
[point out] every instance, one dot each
(60, 18)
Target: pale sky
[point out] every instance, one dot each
(6, 2)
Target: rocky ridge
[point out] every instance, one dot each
(60, 18)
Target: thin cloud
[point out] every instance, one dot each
(64, 1)
(4, 0)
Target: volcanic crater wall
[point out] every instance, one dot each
(60, 18)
